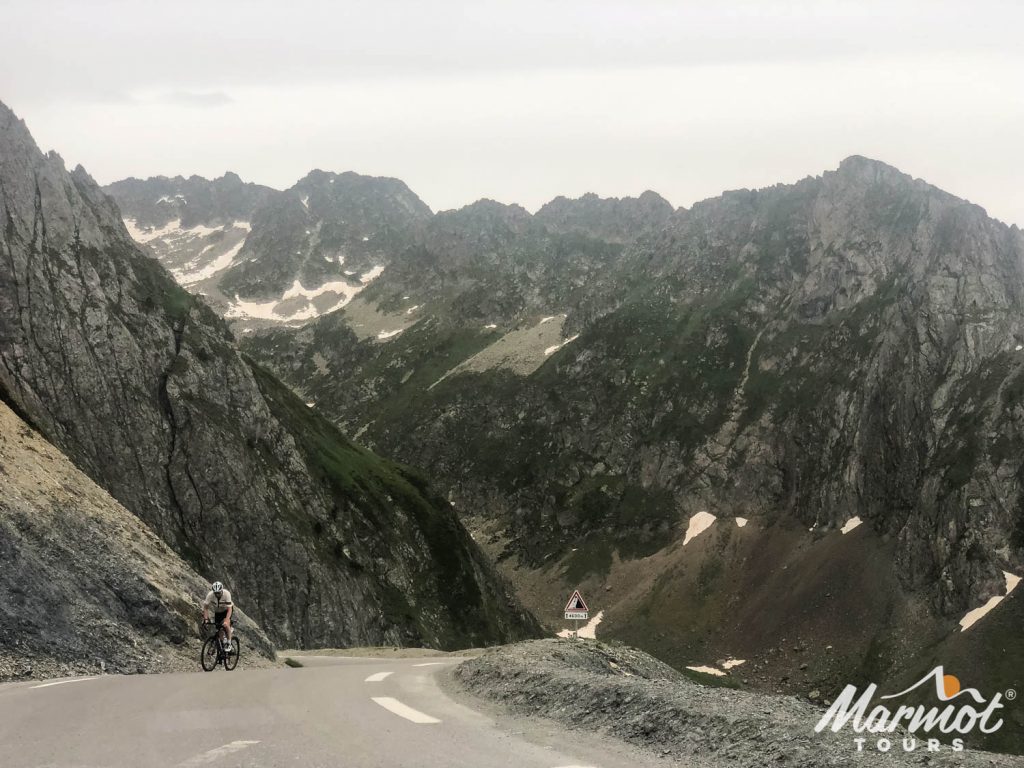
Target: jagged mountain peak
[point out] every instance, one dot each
(614, 219)
(872, 168)
(647, 197)
(487, 207)
(349, 188)
(13, 127)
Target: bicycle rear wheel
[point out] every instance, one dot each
(232, 660)
(208, 656)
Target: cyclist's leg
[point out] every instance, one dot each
(221, 633)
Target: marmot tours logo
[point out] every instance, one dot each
(959, 710)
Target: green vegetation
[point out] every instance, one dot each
(394, 496)
(156, 289)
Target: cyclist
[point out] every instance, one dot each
(219, 601)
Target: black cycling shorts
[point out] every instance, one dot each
(218, 618)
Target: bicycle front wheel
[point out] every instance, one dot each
(208, 656)
(232, 660)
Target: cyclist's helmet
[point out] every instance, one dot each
(217, 588)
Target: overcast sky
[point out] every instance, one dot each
(521, 101)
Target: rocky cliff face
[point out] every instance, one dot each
(159, 201)
(787, 419)
(194, 227)
(611, 219)
(139, 384)
(85, 586)
(328, 226)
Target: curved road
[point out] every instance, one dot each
(335, 711)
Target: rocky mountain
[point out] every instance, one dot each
(85, 586)
(611, 219)
(159, 201)
(195, 227)
(784, 427)
(140, 385)
(260, 256)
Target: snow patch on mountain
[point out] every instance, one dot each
(976, 615)
(554, 348)
(373, 274)
(708, 671)
(146, 234)
(699, 523)
(850, 524)
(219, 264)
(298, 303)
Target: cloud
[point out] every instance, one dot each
(201, 99)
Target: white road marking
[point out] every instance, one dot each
(215, 754)
(64, 682)
(376, 677)
(430, 664)
(395, 707)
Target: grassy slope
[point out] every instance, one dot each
(455, 567)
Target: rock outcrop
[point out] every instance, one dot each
(85, 586)
(616, 220)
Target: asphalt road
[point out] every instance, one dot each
(358, 713)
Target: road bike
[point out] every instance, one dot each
(217, 651)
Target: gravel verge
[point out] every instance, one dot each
(619, 691)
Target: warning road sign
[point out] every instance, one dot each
(576, 608)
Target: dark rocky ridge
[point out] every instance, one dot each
(140, 385)
(159, 200)
(612, 219)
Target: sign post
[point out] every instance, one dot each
(576, 610)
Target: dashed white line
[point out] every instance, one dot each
(430, 664)
(65, 682)
(215, 754)
(376, 677)
(395, 707)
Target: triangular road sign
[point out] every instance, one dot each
(576, 603)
